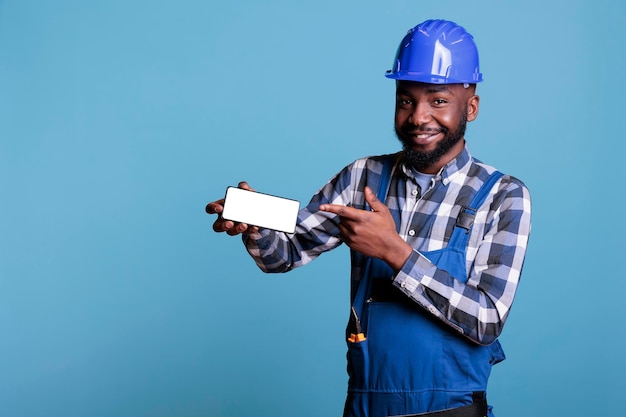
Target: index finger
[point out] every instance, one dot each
(343, 211)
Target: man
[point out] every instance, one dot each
(437, 242)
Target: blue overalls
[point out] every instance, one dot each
(401, 359)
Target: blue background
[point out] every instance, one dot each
(120, 120)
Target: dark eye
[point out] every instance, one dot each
(439, 101)
(404, 102)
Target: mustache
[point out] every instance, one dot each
(411, 129)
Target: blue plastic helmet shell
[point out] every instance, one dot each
(437, 52)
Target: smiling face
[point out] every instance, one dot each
(430, 122)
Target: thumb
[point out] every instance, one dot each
(373, 201)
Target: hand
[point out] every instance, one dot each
(372, 233)
(231, 228)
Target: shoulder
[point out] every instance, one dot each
(482, 171)
(347, 185)
(507, 190)
(374, 163)
(368, 167)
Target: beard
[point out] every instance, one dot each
(422, 160)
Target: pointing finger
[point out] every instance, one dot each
(343, 211)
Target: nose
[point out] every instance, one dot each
(420, 114)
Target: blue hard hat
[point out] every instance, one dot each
(437, 52)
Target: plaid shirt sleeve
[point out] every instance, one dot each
(479, 307)
(316, 231)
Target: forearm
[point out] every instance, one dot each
(269, 251)
(478, 308)
(316, 231)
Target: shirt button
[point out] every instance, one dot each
(414, 192)
(411, 232)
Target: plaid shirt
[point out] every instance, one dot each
(494, 256)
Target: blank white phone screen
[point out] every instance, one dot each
(261, 210)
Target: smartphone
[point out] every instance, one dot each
(262, 210)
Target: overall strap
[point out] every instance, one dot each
(465, 219)
(365, 283)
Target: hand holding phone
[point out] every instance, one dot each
(259, 209)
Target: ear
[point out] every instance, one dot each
(472, 107)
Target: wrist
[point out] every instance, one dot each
(398, 254)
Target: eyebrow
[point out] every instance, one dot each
(430, 90)
(438, 89)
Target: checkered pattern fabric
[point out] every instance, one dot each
(476, 305)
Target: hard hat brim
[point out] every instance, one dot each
(430, 78)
